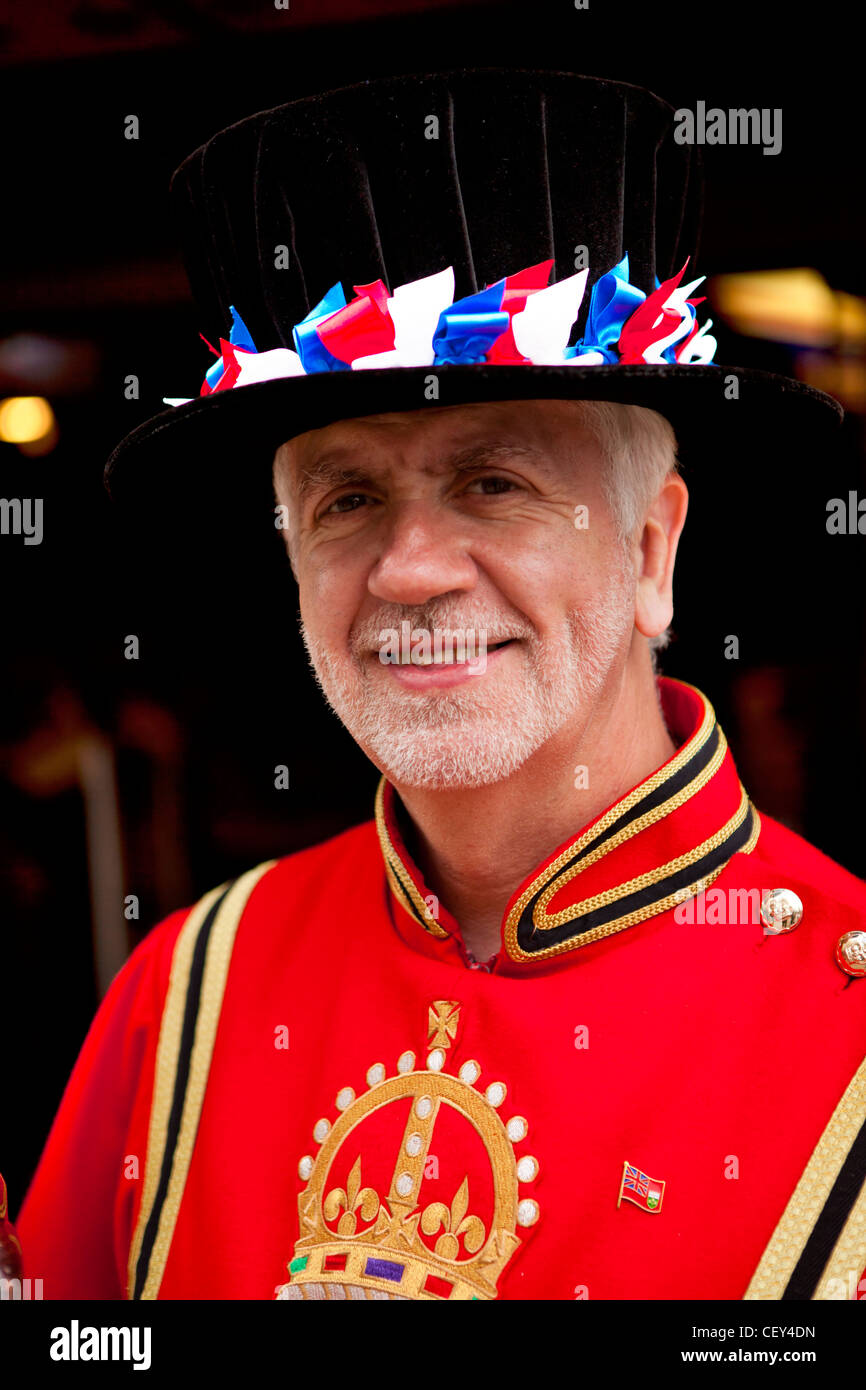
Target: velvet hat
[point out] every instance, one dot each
(390, 185)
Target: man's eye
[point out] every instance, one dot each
(348, 503)
(491, 485)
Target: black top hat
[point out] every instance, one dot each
(393, 180)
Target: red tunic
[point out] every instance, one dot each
(393, 1121)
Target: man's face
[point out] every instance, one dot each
(462, 520)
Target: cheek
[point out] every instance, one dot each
(330, 593)
(548, 577)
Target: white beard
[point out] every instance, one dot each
(481, 731)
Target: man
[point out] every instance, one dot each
(570, 1011)
(463, 520)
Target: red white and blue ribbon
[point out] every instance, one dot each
(520, 319)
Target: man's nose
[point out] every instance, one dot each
(423, 555)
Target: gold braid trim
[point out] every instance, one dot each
(546, 922)
(398, 875)
(217, 960)
(848, 1257)
(167, 1053)
(631, 919)
(553, 876)
(797, 1222)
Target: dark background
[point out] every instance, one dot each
(221, 693)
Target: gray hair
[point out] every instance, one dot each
(640, 450)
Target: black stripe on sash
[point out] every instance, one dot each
(187, 1038)
(826, 1230)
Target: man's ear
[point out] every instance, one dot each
(280, 486)
(657, 551)
(280, 475)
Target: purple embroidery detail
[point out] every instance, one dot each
(384, 1269)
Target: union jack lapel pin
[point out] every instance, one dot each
(635, 1186)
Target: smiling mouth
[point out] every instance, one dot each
(450, 659)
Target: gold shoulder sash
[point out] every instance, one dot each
(818, 1250)
(187, 1034)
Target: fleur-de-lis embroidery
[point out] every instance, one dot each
(353, 1202)
(455, 1223)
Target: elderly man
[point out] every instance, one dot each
(569, 1018)
(463, 520)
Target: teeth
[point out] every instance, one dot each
(451, 657)
(443, 660)
(431, 661)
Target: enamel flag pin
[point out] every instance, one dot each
(646, 1193)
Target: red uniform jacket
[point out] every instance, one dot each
(305, 1087)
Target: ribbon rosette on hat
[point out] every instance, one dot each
(518, 320)
(665, 318)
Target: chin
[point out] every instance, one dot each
(474, 735)
(430, 762)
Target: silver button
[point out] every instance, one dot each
(851, 953)
(781, 911)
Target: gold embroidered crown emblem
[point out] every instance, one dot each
(355, 1243)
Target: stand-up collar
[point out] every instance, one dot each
(664, 841)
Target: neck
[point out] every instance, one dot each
(475, 847)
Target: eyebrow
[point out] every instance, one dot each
(334, 470)
(328, 472)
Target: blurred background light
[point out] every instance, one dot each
(791, 306)
(42, 364)
(26, 420)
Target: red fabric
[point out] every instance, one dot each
(231, 366)
(518, 288)
(362, 328)
(705, 1044)
(639, 331)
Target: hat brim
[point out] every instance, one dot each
(222, 445)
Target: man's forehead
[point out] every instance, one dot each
(524, 424)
